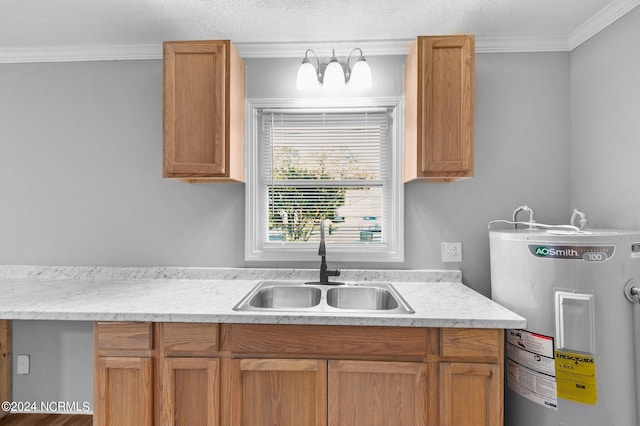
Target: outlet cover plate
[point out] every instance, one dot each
(451, 252)
(22, 364)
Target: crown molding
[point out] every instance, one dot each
(297, 49)
(269, 50)
(598, 22)
(520, 44)
(484, 44)
(80, 53)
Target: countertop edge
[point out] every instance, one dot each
(440, 303)
(279, 320)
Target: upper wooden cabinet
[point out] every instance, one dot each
(439, 102)
(203, 111)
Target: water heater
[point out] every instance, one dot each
(575, 363)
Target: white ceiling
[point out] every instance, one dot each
(47, 28)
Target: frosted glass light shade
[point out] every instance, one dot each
(307, 78)
(333, 75)
(360, 75)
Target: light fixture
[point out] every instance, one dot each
(309, 77)
(334, 74)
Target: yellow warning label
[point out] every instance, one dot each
(576, 377)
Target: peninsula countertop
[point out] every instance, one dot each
(438, 298)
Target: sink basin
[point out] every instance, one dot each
(285, 297)
(363, 298)
(292, 296)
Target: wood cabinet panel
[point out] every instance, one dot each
(345, 342)
(123, 391)
(189, 392)
(203, 111)
(439, 108)
(188, 339)
(471, 343)
(470, 394)
(281, 392)
(123, 338)
(365, 393)
(6, 366)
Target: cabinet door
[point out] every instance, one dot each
(371, 393)
(189, 390)
(439, 96)
(279, 392)
(123, 391)
(204, 90)
(5, 364)
(470, 394)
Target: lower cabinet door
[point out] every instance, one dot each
(470, 394)
(372, 393)
(123, 391)
(278, 392)
(189, 392)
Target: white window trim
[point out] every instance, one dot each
(393, 251)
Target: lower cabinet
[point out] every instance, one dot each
(283, 392)
(123, 374)
(123, 391)
(470, 394)
(370, 393)
(294, 392)
(284, 375)
(189, 391)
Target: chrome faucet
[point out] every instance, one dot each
(325, 272)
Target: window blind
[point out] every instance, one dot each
(325, 165)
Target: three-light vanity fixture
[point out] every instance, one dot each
(333, 74)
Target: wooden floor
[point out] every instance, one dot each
(46, 420)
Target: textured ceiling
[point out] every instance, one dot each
(55, 23)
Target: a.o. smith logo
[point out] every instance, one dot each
(588, 253)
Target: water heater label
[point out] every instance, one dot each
(635, 250)
(576, 377)
(586, 253)
(530, 367)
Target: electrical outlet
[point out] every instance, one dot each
(22, 364)
(451, 252)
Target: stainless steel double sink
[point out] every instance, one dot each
(293, 296)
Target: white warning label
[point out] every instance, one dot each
(531, 367)
(536, 387)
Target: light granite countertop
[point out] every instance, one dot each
(438, 298)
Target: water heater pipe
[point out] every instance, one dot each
(583, 222)
(632, 293)
(524, 209)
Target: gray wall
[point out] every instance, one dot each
(80, 179)
(605, 115)
(81, 167)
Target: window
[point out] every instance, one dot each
(340, 164)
